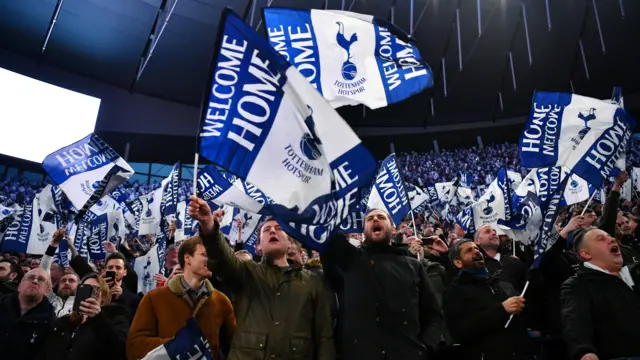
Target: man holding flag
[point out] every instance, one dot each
(282, 310)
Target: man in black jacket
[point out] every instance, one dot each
(26, 317)
(388, 309)
(477, 306)
(601, 303)
(510, 269)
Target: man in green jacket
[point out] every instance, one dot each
(281, 310)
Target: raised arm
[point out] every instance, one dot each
(222, 260)
(47, 259)
(339, 252)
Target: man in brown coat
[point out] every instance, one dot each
(164, 311)
(282, 310)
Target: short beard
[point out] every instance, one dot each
(386, 239)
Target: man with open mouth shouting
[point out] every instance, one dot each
(601, 302)
(388, 309)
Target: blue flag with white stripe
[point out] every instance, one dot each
(87, 170)
(170, 184)
(388, 192)
(188, 343)
(349, 58)
(31, 229)
(267, 125)
(585, 135)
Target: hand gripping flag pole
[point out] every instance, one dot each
(195, 173)
(521, 295)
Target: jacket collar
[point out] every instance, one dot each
(176, 287)
(43, 309)
(267, 261)
(381, 248)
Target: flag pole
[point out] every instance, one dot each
(415, 233)
(588, 201)
(195, 173)
(521, 295)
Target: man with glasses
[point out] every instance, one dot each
(26, 317)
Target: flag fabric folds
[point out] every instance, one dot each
(213, 186)
(585, 135)
(264, 123)
(493, 207)
(349, 58)
(87, 170)
(388, 192)
(577, 190)
(188, 343)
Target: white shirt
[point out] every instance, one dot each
(624, 273)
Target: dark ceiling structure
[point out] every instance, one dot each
(489, 56)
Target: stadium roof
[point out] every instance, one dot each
(106, 40)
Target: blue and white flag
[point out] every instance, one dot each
(170, 186)
(350, 58)
(493, 207)
(534, 192)
(87, 170)
(585, 135)
(432, 192)
(417, 197)
(189, 343)
(108, 227)
(150, 216)
(150, 264)
(446, 192)
(464, 196)
(61, 255)
(188, 226)
(132, 214)
(540, 226)
(577, 190)
(466, 179)
(32, 228)
(259, 125)
(354, 223)
(388, 192)
(213, 186)
(103, 206)
(250, 223)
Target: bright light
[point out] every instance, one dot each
(37, 118)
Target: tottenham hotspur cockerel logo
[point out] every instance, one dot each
(310, 142)
(488, 210)
(349, 69)
(586, 118)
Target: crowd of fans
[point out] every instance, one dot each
(387, 294)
